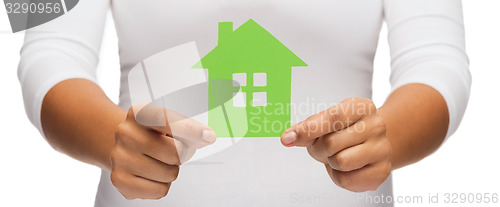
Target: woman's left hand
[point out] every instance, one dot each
(350, 139)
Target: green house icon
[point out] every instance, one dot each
(252, 69)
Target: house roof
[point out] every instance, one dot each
(249, 45)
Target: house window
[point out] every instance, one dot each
(240, 99)
(259, 99)
(260, 79)
(239, 79)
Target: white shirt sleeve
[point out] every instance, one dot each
(427, 44)
(62, 49)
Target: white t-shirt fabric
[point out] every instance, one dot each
(336, 38)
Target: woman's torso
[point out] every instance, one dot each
(337, 39)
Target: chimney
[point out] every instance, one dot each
(225, 29)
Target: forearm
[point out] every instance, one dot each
(79, 120)
(416, 117)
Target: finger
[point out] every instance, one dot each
(189, 131)
(368, 178)
(145, 166)
(164, 149)
(157, 145)
(144, 140)
(358, 156)
(167, 149)
(133, 187)
(333, 119)
(330, 144)
(153, 169)
(152, 115)
(184, 151)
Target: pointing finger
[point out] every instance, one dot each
(171, 123)
(333, 119)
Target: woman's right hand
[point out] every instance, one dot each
(146, 157)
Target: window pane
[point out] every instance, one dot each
(260, 79)
(259, 99)
(239, 79)
(239, 99)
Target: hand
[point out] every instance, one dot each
(146, 158)
(350, 139)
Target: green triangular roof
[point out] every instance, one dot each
(248, 44)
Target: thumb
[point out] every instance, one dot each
(152, 115)
(176, 125)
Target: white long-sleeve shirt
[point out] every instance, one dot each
(337, 39)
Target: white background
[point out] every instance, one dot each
(33, 174)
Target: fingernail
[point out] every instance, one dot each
(208, 135)
(289, 138)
